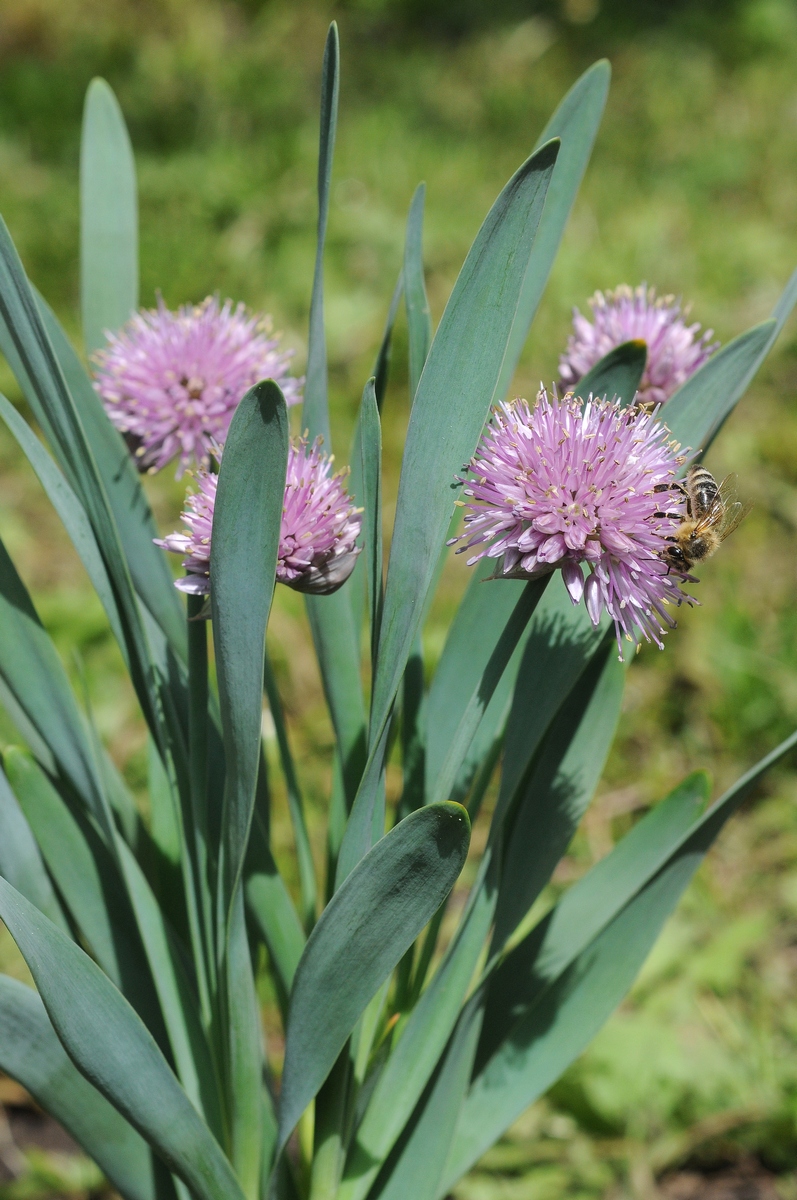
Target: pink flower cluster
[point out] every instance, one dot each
(319, 528)
(571, 485)
(674, 350)
(171, 381)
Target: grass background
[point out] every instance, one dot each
(692, 188)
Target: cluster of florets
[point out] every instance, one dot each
(571, 485)
(674, 350)
(575, 485)
(171, 381)
(318, 530)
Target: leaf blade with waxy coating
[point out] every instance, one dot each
(575, 122)
(617, 375)
(31, 1053)
(245, 545)
(108, 218)
(581, 959)
(464, 362)
(115, 1051)
(315, 410)
(367, 926)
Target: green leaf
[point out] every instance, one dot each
(69, 509)
(472, 637)
(243, 564)
(108, 218)
(304, 853)
(24, 328)
(414, 1059)
(382, 364)
(453, 399)
(476, 689)
(365, 929)
(563, 981)
(558, 789)
(699, 408)
(20, 860)
(245, 543)
(419, 319)
(272, 910)
(31, 1053)
(337, 647)
(371, 449)
(618, 374)
(561, 643)
(315, 410)
(131, 511)
(418, 1158)
(575, 122)
(88, 881)
(113, 1049)
(34, 677)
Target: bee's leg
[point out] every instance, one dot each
(672, 516)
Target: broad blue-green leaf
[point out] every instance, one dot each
(454, 395)
(246, 526)
(315, 410)
(559, 787)
(243, 564)
(477, 688)
(110, 1046)
(108, 218)
(304, 854)
(88, 881)
(561, 644)
(382, 364)
(618, 373)
(134, 520)
(414, 1058)
(419, 320)
(472, 637)
(69, 509)
(417, 1161)
(19, 313)
(584, 956)
(35, 678)
(575, 122)
(272, 910)
(20, 860)
(371, 450)
(698, 409)
(365, 929)
(31, 1053)
(337, 646)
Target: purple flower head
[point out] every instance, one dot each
(171, 381)
(574, 484)
(674, 349)
(319, 527)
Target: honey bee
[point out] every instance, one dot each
(712, 512)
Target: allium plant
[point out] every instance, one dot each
(318, 530)
(149, 931)
(674, 349)
(171, 381)
(578, 484)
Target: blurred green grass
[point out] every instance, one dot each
(692, 188)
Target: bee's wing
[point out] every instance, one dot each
(725, 512)
(734, 514)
